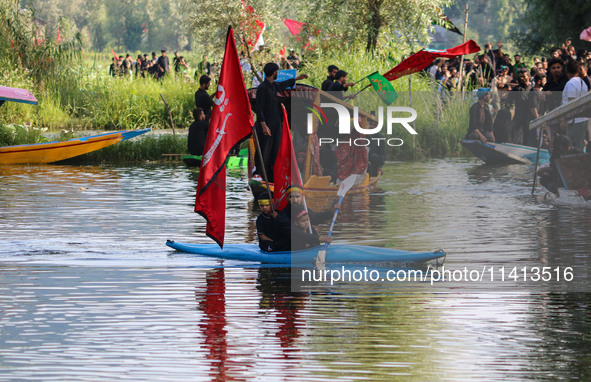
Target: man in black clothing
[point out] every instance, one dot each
(269, 117)
(555, 83)
(481, 122)
(332, 70)
(519, 96)
(197, 133)
(283, 221)
(202, 99)
(163, 65)
(265, 223)
(340, 84)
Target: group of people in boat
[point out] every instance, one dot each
(291, 228)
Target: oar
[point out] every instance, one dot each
(346, 185)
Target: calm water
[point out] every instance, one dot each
(89, 291)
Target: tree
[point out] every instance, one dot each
(209, 21)
(547, 23)
(27, 44)
(345, 22)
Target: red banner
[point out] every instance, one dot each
(424, 58)
(295, 27)
(285, 171)
(231, 123)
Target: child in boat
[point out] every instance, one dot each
(283, 222)
(265, 223)
(300, 234)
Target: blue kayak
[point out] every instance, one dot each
(336, 253)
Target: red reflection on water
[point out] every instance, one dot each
(212, 302)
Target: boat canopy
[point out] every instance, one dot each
(16, 95)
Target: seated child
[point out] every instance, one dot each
(300, 234)
(265, 223)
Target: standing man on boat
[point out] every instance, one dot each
(269, 117)
(340, 84)
(332, 70)
(519, 96)
(481, 122)
(202, 99)
(555, 83)
(197, 133)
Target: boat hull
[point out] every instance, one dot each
(319, 186)
(336, 253)
(50, 152)
(505, 153)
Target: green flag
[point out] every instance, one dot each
(383, 87)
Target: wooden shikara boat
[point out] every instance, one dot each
(50, 152)
(505, 153)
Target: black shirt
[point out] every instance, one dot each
(285, 234)
(338, 88)
(267, 104)
(265, 226)
(162, 64)
(327, 82)
(520, 97)
(554, 100)
(204, 101)
(475, 120)
(197, 136)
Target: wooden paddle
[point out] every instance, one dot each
(346, 185)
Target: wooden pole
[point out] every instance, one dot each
(410, 105)
(462, 60)
(256, 139)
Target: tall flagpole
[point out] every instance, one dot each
(265, 178)
(462, 60)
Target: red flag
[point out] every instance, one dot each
(231, 123)
(295, 27)
(424, 58)
(59, 37)
(285, 171)
(115, 54)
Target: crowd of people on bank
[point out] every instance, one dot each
(158, 67)
(512, 93)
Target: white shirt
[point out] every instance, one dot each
(574, 88)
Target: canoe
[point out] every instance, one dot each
(337, 253)
(505, 153)
(16, 95)
(50, 152)
(234, 161)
